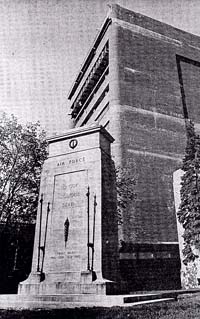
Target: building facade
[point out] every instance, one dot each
(140, 80)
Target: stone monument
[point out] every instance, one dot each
(76, 241)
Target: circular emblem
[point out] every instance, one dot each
(73, 144)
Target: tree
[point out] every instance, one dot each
(125, 187)
(189, 211)
(22, 153)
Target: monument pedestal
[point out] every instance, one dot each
(52, 285)
(76, 239)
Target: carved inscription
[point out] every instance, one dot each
(71, 161)
(69, 243)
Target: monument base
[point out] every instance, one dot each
(66, 283)
(65, 301)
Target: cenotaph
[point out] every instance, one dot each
(76, 241)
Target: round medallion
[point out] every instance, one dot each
(73, 143)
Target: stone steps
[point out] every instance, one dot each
(64, 305)
(150, 296)
(83, 300)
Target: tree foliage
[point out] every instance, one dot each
(22, 153)
(189, 211)
(125, 187)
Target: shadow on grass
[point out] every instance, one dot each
(185, 308)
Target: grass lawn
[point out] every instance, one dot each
(185, 308)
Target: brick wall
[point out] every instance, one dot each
(109, 220)
(152, 118)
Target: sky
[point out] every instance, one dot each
(44, 42)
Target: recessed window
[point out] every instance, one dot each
(189, 79)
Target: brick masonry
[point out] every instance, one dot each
(152, 137)
(154, 76)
